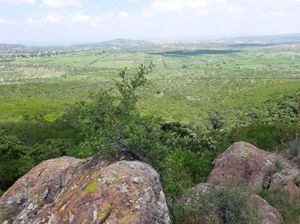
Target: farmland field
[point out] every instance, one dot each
(189, 81)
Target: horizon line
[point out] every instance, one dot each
(207, 38)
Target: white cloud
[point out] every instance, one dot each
(8, 22)
(123, 14)
(195, 4)
(30, 20)
(62, 3)
(85, 19)
(169, 5)
(76, 18)
(224, 5)
(81, 18)
(18, 2)
(205, 7)
(172, 5)
(147, 13)
(56, 18)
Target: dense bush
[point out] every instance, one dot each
(288, 207)
(269, 137)
(294, 149)
(36, 130)
(231, 206)
(51, 148)
(15, 160)
(222, 205)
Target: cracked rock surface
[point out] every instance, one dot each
(97, 190)
(243, 163)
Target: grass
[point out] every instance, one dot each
(288, 207)
(185, 88)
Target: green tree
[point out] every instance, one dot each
(15, 160)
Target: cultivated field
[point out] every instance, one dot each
(190, 82)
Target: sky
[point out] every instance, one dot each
(81, 21)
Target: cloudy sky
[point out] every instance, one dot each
(79, 21)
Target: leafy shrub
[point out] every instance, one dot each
(223, 205)
(281, 108)
(184, 214)
(294, 149)
(265, 136)
(216, 121)
(15, 160)
(188, 162)
(106, 118)
(180, 169)
(278, 166)
(32, 132)
(51, 148)
(231, 206)
(286, 205)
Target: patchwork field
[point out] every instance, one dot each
(189, 82)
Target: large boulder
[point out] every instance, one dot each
(37, 189)
(97, 190)
(238, 175)
(243, 163)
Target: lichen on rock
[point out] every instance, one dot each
(98, 190)
(243, 163)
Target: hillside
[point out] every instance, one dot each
(174, 105)
(272, 39)
(117, 44)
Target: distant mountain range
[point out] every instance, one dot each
(273, 39)
(117, 43)
(126, 44)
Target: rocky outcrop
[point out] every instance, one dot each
(67, 190)
(120, 189)
(248, 170)
(37, 189)
(243, 163)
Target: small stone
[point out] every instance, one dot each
(135, 180)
